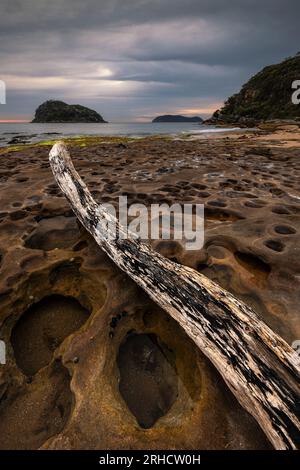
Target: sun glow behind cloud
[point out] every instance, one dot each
(104, 72)
(86, 86)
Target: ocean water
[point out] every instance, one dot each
(12, 133)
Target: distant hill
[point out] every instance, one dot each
(267, 95)
(177, 118)
(58, 111)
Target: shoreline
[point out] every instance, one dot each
(130, 131)
(284, 133)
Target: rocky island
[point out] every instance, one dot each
(267, 95)
(177, 118)
(58, 111)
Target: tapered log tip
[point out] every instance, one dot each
(57, 150)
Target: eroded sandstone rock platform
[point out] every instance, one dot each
(91, 361)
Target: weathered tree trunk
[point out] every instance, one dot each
(259, 367)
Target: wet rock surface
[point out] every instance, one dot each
(98, 336)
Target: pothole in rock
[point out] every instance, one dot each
(42, 328)
(213, 215)
(285, 230)
(55, 232)
(282, 210)
(275, 245)
(38, 411)
(256, 266)
(80, 245)
(255, 204)
(148, 378)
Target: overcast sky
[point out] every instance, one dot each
(131, 60)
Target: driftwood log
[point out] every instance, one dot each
(259, 367)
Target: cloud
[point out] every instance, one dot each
(136, 58)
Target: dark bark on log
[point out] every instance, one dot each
(259, 367)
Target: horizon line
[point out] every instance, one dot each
(14, 120)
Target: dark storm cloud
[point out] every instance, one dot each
(135, 58)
